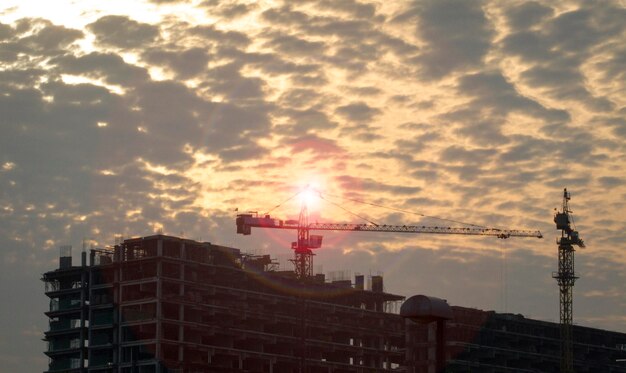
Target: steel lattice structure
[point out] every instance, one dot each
(565, 277)
(303, 259)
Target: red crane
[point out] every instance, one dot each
(306, 242)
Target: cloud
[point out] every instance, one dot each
(563, 44)
(475, 111)
(303, 121)
(269, 63)
(358, 112)
(6, 31)
(565, 84)
(319, 146)
(457, 154)
(357, 42)
(356, 184)
(492, 90)
(302, 98)
(457, 35)
(611, 181)
(528, 14)
(123, 32)
(350, 7)
(293, 45)
(530, 45)
(211, 33)
(612, 68)
(185, 63)
(49, 39)
(233, 11)
(107, 66)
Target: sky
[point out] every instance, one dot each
(135, 117)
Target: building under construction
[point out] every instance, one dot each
(165, 304)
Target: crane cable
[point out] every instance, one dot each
(404, 211)
(346, 210)
(283, 202)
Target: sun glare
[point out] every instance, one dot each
(310, 195)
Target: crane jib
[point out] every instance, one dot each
(247, 221)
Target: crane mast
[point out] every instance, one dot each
(303, 253)
(565, 278)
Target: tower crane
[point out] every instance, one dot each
(565, 278)
(306, 242)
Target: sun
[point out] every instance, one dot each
(310, 196)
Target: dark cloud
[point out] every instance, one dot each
(492, 90)
(358, 184)
(303, 121)
(353, 58)
(425, 202)
(36, 37)
(6, 31)
(417, 143)
(236, 10)
(321, 147)
(401, 99)
(525, 149)
(27, 77)
(580, 30)
(616, 123)
(357, 41)
(231, 38)
(185, 63)
(8, 52)
(613, 68)
(457, 36)
(611, 181)
(362, 132)
(530, 45)
(365, 91)
(404, 157)
(528, 14)
(229, 126)
(167, 114)
(123, 32)
(51, 39)
(296, 46)
(301, 98)
(457, 154)
(349, 7)
(358, 112)
(565, 84)
(270, 63)
(231, 9)
(563, 45)
(317, 79)
(107, 66)
(227, 80)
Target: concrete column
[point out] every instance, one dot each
(441, 346)
(159, 295)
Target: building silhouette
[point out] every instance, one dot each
(166, 304)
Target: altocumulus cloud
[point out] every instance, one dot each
(169, 115)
